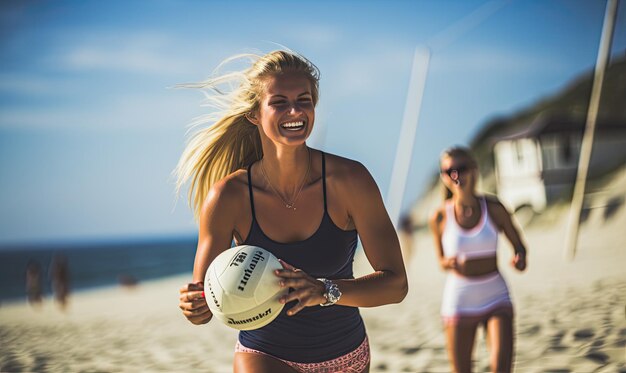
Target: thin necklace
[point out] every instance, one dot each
(468, 210)
(288, 204)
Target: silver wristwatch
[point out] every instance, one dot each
(332, 292)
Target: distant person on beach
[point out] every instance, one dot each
(34, 283)
(256, 181)
(406, 230)
(466, 231)
(60, 277)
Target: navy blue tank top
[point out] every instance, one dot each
(315, 333)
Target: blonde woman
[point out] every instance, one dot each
(466, 231)
(254, 180)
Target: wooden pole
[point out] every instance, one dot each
(404, 151)
(573, 224)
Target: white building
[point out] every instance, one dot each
(538, 165)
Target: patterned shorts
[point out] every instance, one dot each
(352, 362)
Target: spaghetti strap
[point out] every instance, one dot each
(484, 211)
(250, 190)
(324, 179)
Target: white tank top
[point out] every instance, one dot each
(477, 242)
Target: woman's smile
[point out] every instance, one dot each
(293, 125)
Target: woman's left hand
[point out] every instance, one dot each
(307, 290)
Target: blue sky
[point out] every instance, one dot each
(90, 127)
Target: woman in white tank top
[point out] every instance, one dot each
(466, 231)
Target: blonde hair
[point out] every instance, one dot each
(231, 142)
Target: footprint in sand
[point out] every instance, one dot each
(598, 357)
(12, 364)
(381, 367)
(583, 334)
(410, 350)
(41, 363)
(598, 343)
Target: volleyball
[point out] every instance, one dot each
(241, 288)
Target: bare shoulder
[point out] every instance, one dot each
(347, 173)
(227, 193)
(497, 212)
(494, 205)
(349, 184)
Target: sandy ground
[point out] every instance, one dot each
(570, 316)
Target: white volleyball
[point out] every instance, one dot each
(241, 288)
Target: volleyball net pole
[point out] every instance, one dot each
(406, 140)
(573, 223)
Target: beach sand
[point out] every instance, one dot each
(570, 315)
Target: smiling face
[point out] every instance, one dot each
(286, 111)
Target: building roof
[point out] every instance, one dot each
(552, 124)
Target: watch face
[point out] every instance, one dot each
(334, 293)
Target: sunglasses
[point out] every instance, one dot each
(455, 172)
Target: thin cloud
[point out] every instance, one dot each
(145, 53)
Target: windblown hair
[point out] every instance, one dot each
(457, 152)
(229, 141)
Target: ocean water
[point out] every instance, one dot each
(95, 264)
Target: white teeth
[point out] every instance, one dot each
(293, 125)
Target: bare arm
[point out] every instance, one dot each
(388, 284)
(504, 221)
(216, 226)
(436, 224)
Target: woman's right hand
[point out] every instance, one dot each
(193, 303)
